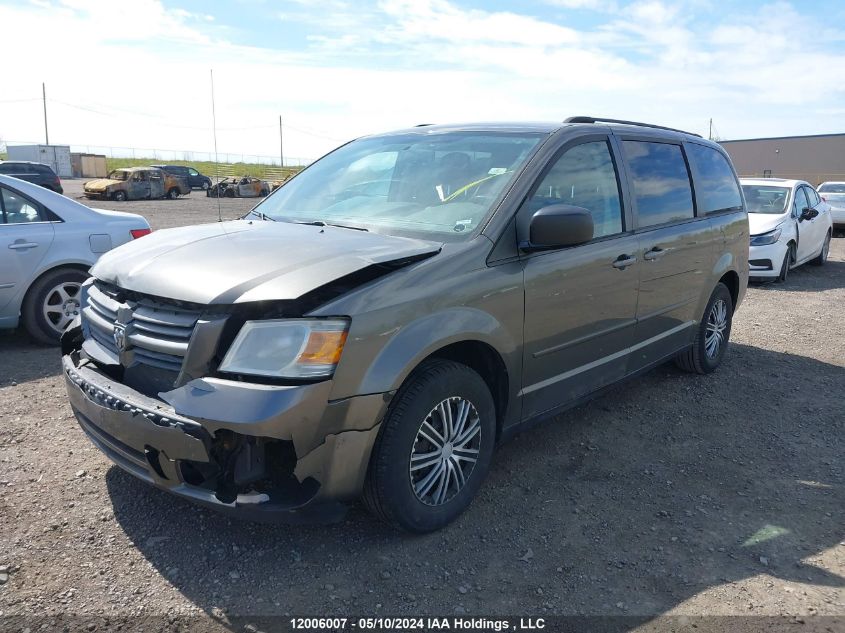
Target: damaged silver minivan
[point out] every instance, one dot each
(375, 327)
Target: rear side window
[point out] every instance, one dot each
(716, 186)
(661, 182)
(584, 176)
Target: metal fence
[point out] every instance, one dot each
(168, 155)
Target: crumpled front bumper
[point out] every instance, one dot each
(168, 442)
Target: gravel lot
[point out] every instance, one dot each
(675, 494)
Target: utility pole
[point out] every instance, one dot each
(44, 98)
(281, 144)
(710, 133)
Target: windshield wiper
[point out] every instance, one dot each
(340, 226)
(261, 216)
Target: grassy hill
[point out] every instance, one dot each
(208, 168)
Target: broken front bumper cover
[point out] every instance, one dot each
(174, 446)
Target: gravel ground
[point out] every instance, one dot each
(674, 494)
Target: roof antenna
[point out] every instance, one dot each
(216, 163)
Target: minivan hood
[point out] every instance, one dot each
(764, 222)
(240, 261)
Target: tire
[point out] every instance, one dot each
(173, 193)
(788, 258)
(822, 257)
(205, 185)
(418, 500)
(51, 303)
(700, 357)
(119, 196)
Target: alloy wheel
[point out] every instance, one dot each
(61, 305)
(445, 451)
(717, 323)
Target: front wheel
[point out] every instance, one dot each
(434, 448)
(119, 196)
(205, 185)
(712, 335)
(785, 265)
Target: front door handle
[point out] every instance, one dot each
(655, 253)
(19, 245)
(623, 261)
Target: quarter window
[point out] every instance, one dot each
(584, 176)
(716, 186)
(661, 182)
(17, 210)
(812, 196)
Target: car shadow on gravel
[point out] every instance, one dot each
(21, 360)
(668, 486)
(808, 278)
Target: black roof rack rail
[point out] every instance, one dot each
(423, 124)
(591, 119)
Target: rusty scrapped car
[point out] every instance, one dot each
(136, 183)
(243, 187)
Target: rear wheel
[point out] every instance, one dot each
(822, 257)
(711, 338)
(173, 193)
(52, 303)
(434, 448)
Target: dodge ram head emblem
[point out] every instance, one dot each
(120, 336)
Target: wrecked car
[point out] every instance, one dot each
(243, 187)
(377, 326)
(136, 183)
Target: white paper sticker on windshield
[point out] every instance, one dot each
(497, 171)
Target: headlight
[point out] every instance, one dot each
(288, 348)
(766, 238)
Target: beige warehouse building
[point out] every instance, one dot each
(813, 158)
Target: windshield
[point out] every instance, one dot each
(766, 199)
(119, 174)
(832, 187)
(436, 186)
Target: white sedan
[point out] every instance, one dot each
(47, 244)
(834, 194)
(789, 224)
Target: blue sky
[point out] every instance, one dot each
(136, 74)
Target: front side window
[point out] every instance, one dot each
(193, 172)
(17, 210)
(584, 176)
(800, 202)
(661, 182)
(436, 185)
(716, 186)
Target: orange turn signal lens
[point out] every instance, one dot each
(323, 348)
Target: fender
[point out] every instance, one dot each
(410, 345)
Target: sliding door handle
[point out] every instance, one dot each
(655, 253)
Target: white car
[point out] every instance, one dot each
(789, 224)
(47, 244)
(834, 194)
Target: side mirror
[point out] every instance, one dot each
(808, 213)
(559, 225)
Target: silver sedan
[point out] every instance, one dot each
(47, 244)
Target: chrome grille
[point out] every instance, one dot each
(157, 334)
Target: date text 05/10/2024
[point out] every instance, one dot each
(417, 624)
